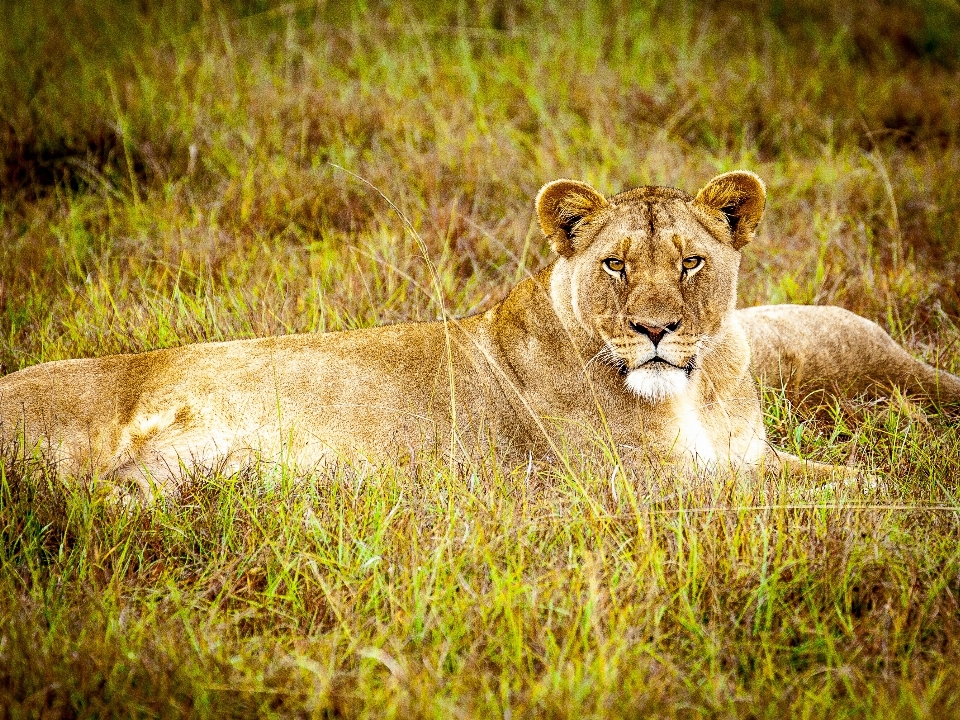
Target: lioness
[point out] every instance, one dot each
(629, 338)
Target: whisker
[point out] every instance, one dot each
(592, 360)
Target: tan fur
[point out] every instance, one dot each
(562, 364)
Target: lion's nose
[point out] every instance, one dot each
(654, 332)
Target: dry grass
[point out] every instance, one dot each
(171, 177)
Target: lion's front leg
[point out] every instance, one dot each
(826, 476)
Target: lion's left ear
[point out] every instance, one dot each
(737, 198)
(561, 206)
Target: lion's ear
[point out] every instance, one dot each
(561, 206)
(737, 198)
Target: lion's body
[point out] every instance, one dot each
(371, 394)
(651, 360)
(305, 398)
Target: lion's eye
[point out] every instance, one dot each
(692, 263)
(614, 266)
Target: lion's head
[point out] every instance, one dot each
(651, 273)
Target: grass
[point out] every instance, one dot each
(172, 176)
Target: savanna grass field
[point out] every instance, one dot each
(174, 172)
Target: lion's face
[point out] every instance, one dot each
(656, 287)
(651, 273)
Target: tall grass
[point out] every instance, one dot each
(171, 175)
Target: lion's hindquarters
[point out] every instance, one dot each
(832, 349)
(304, 400)
(70, 412)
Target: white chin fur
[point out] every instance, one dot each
(656, 384)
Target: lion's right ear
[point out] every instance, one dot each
(737, 198)
(562, 205)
